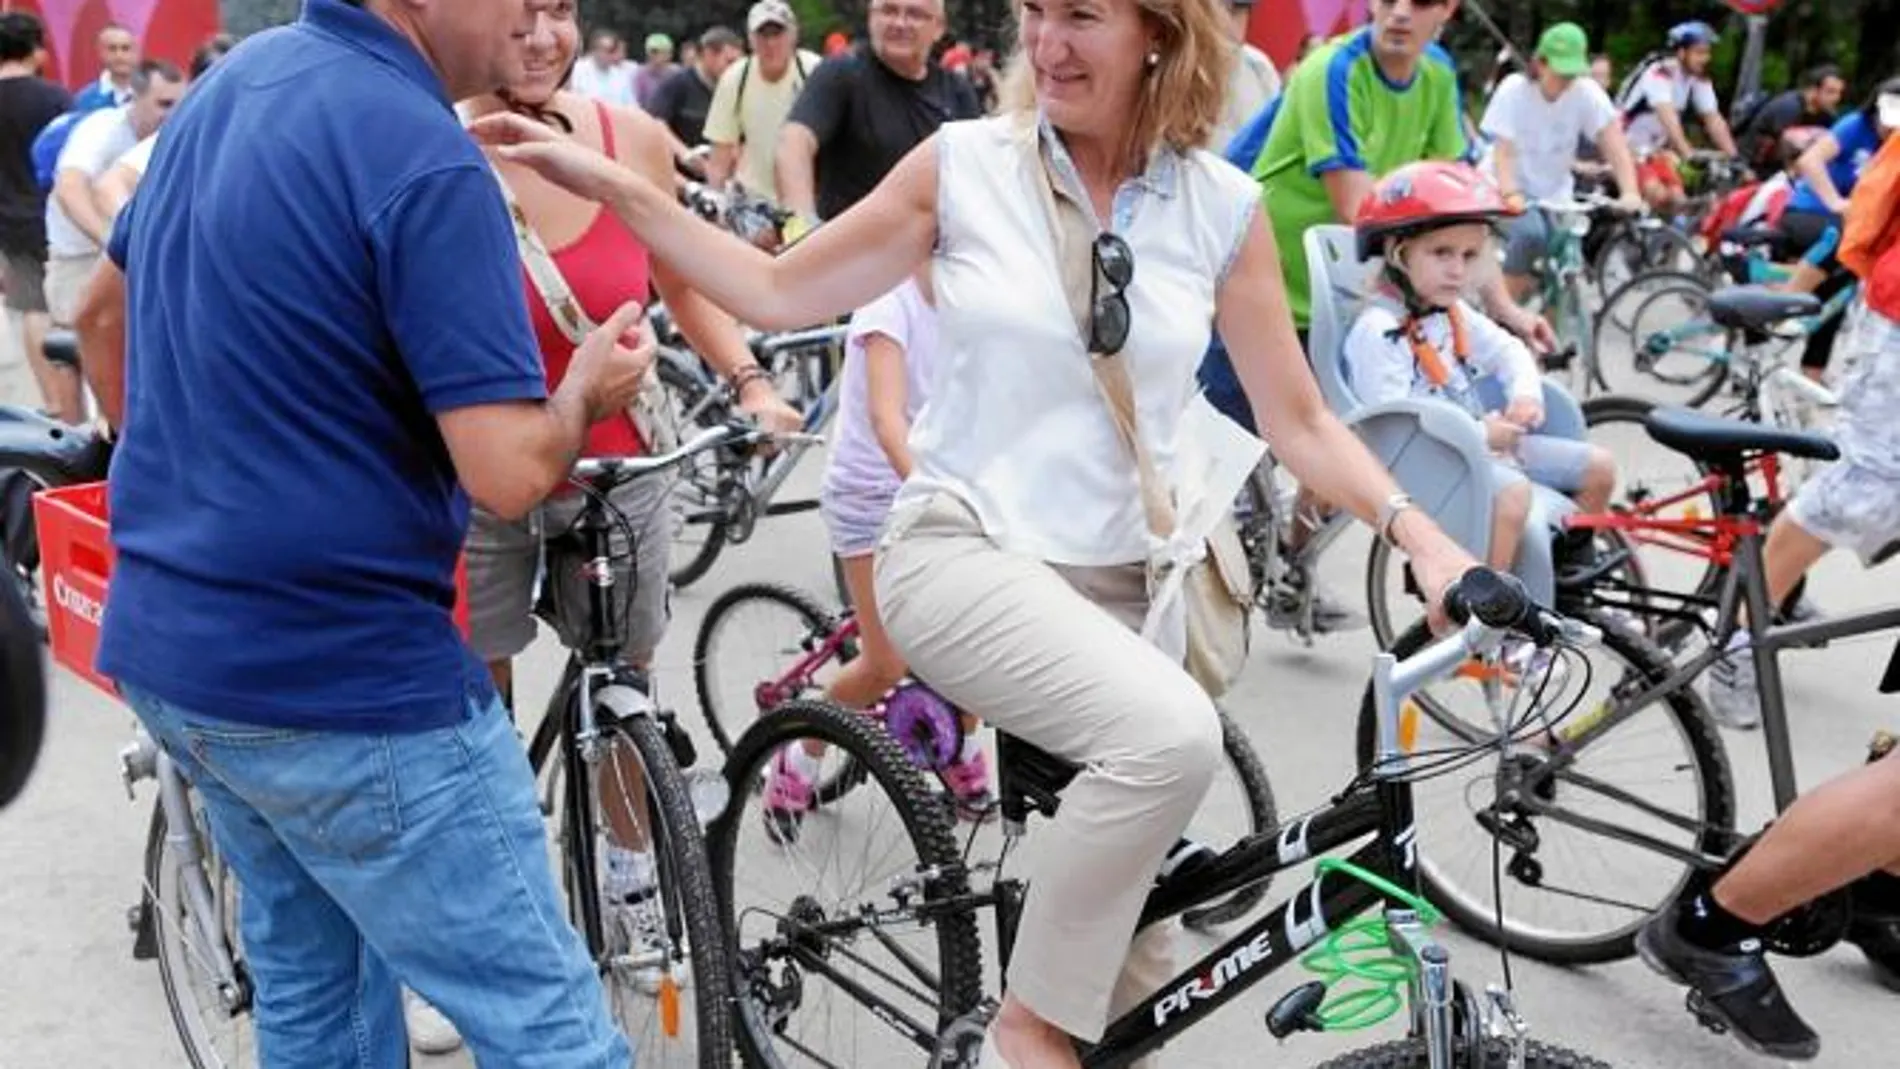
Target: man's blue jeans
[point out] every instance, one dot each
(367, 861)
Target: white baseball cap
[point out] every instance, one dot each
(769, 13)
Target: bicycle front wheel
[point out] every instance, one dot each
(1412, 1054)
(1656, 339)
(634, 857)
(1571, 895)
(199, 960)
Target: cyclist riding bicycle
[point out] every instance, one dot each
(1828, 171)
(1431, 225)
(1015, 570)
(1655, 100)
(1535, 122)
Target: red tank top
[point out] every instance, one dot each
(605, 267)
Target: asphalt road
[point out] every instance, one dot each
(70, 849)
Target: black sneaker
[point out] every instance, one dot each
(1730, 990)
(1876, 931)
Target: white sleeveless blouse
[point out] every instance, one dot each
(1015, 425)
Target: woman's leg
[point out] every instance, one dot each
(1009, 636)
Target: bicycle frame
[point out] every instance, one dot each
(1713, 538)
(1030, 782)
(789, 683)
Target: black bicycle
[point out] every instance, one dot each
(880, 963)
(629, 809)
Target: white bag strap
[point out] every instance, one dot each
(1070, 228)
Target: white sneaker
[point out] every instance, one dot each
(429, 1031)
(1732, 694)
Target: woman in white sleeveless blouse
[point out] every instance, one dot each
(1012, 569)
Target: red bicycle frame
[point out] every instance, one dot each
(1712, 538)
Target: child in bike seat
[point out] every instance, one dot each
(1431, 227)
(890, 354)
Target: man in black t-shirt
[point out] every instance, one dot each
(27, 103)
(684, 100)
(1812, 103)
(860, 113)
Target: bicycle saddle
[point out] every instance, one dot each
(55, 453)
(1755, 307)
(1715, 439)
(62, 348)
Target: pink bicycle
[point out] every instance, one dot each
(764, 644)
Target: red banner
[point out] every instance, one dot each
(1754, 7)
(166, 29)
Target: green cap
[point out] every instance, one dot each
(1566, 48)
(659, 42)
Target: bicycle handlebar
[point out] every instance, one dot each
(733, 432)
(1499, 602)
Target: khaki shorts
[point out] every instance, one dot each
(505, 576)
(26, 281)
(66, 278)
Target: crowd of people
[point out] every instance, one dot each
(994, 539)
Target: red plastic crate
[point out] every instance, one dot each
(76, 564)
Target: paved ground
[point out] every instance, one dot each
(70, 995)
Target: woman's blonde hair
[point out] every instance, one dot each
(1181, 95)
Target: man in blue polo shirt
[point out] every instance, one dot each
(322, 302)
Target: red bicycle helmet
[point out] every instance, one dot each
(1422, 197)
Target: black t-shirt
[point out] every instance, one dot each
(866, 117)
(682, 102)
(1760, 139)
(26, 106)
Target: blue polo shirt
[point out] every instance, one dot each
(319, 264)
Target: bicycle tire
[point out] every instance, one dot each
(927, 820)
(726, 725)
(1705, 750)
(1411, 1054)
(168, 905)
(683, 877)
(1619, 408)
(1657, 249)
(23, 682)
(707, 476)
(1642, 291)
(1262, 815)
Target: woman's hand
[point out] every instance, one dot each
(552, 155)
(761, 401)
(1533, 328)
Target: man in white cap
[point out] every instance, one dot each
(754, 97)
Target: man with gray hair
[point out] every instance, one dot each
(299, 424)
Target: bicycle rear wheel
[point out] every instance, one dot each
(865, 900)
(1571, 896)
(1248, 794)
(660, 947)
(213, 1018)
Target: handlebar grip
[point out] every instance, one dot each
(1499, 601)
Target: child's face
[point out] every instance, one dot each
(1443, 263)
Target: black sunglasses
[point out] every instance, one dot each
(1108, 309)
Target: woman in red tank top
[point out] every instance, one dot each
(604, 267)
